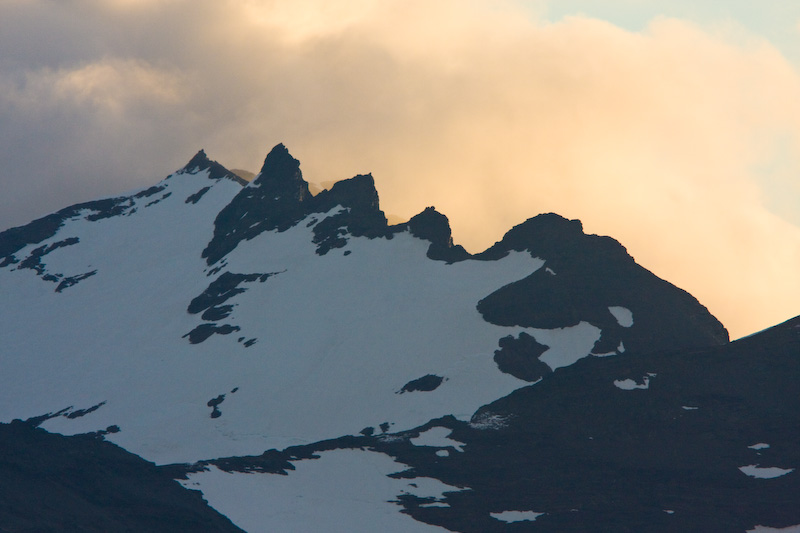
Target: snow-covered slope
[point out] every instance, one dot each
(236, 327)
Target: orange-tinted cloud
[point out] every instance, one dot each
(668, 139)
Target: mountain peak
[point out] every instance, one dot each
(433, 226)
(273, 200)
(201, 162)
(577, 265)
(278, 198)
(280, 176)
(544, 231)
(358, 192)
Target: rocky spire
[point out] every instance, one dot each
(278, 198)
(273, 200)
(434, 227)
(280, 177)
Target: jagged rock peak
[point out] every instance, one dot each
(358, 192)
(547, 226)
(280, 176)
(433, 226)
(552, 235)
(585, 274)
(278, 198)
(200, 162)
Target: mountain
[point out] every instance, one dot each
(307, 366)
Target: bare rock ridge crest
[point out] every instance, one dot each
(578, 264)
(278, 198)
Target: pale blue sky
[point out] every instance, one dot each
(774, 20)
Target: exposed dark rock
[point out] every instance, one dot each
(194, 198)
(594, 273)
(50, 482)
(217, 313)
(426, 383)
(201, 162)
(14, 239)
(361, 217)
(155, 189)
(204, 331)
(269, 462)
(434, 227)
(36, 421)
(278, 198)
(609, 341)
(520, 357)
(34, 260)
(220, 290)
(274, 200)
(83, 412)
(163, 197)
(214, 404)
(74, 280)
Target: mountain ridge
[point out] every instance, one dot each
(257, 342)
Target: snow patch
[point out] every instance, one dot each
(623, 315)
(415, 315)
(765, 472)
(437, 437)
(629, 384)
(765, 529)
(566, 345)
(516, 516)
(343, 489)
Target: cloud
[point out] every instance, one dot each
(113, 87)
(674, 140)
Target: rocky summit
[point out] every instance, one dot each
(212, 354)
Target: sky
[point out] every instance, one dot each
(672, 126)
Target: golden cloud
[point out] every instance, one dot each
(673, 140)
